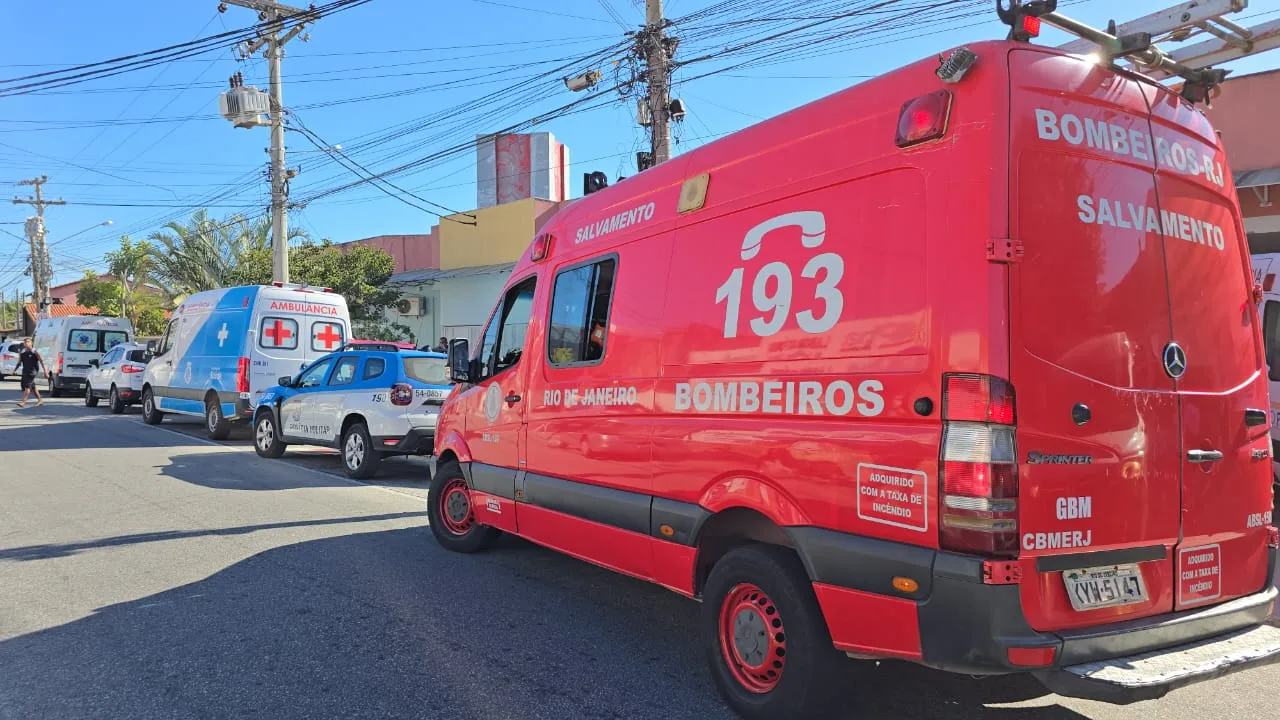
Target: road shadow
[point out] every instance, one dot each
(84, 432)
(49, 551)
(387, 625)
(245, 471)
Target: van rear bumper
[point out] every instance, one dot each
(968, 626)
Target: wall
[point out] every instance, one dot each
(411, 252)
(513, 167)
(498, 234)
(458, 306)
(1245, 113)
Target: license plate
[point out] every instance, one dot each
(1093, 588)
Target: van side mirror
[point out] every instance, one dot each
(460, 360)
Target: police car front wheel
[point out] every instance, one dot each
(265, 440)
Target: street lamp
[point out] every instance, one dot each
(104, 223)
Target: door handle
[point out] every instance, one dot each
(512, 399)
(1204, 456)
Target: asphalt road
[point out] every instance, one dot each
(148, 573)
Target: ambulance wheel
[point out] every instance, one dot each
(54, 390)
(90, 400)
(450, 516)
(114, 401)
(151, 414)
(765, 636)
(359, 457)
(266, 442)
(216, 425)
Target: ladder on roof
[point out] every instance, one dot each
(1135, 41)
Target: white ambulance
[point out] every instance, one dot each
(68, 343)
(223, 348)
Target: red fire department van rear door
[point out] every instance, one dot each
(1226, 470)
(1098, 434)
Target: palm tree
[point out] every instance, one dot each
(204, 254)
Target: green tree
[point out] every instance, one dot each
(359, 274)
(100, 292)
(148, 315)
(132, 266)
(381, 329)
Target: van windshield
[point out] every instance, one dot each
(433, 371)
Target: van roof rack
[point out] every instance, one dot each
(1135, 41)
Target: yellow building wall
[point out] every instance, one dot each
(500, 235)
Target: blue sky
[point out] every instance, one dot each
(390, 81)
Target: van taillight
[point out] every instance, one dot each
(979, 466)
(242, 375)
(57, 364)
(1268, 282)
(923, 118)
(401, 394)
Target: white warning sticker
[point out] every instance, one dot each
(893, 496)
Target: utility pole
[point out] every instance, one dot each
(272, 42)
(41, 272)
(658, 57)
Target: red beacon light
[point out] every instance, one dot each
(1031, 25)
(541, 247)
(923, 118)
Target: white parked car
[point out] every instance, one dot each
(117, 378)
(9, 350)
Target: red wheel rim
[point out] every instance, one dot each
(455, 507)
(752, 638)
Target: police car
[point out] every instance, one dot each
(365, 402)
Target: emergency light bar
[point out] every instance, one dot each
(1135, 47)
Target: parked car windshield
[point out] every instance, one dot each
(433, 371)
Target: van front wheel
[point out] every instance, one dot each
(151, 414)
(450, 516)
(765, 637)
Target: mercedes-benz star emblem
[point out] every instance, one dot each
(1175, 360)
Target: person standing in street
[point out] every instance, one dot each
(30, 361)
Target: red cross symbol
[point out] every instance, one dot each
(278, 333)
(329, 336)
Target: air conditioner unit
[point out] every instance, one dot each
(413, 306)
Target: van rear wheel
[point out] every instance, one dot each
(765, 636)
(214, 422)
(450, 516)
(151, 414)
(54, 390)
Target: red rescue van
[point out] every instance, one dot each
(960, 366)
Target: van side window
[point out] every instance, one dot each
(374, 367)
(580, 313)
(278, 332)
(1271, 338)
(345, 373)
(504, 338)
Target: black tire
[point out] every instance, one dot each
(151, 415)
(114, 401)
(799, 673)
(54, 390)
(214, 423)
(90, 400)
(266, 437)
(359, 457)
(453, 524)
